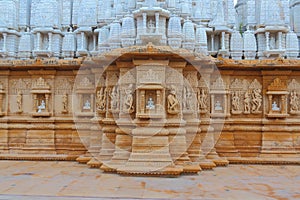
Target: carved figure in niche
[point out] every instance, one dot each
(275, 106)
(114, 96)
(187, 101)
(173, 103)
(42, 106)
(256, 100)
(202, 99)
(294, 102)
(235, 101)
(101, 99)
(20, 101)
(65, 103)
(151, 26)
(150, 104)
(128, 99)
(218, 106)
(87, 105)
(247, 100)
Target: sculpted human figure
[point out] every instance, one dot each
(114, 96)
(20, 101)
(150, 104)
(128, 99)
(256, 100)
(101, 99)
(275, 106)
(42, 106)
(173, 103)
(87, 105)
(65, 102)
(247, 100)
(235, 101)
(202, 99)
(294, 101)
(187, 99)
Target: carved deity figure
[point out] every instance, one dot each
(114, 98)
(150, 104)
(128, 100)
(275, 106)
(218, 106)
(202, 99)
(87, 105)
(256, 100)
(151, 26)
(247, 100)
(235, 101)
(173, 103)
(101, 99)
(187, 99)
(42, 106)
(294, 102)
(65, 102)
(20, 101)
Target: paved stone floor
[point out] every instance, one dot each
(69, 180)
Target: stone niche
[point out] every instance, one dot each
(41, 95)
(85, 98)
(219, 104)
(150, 91)
(277, 99)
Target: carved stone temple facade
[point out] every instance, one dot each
(147, 87)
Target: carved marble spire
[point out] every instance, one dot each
(236, 45)
(69, 45)
(25, 45)
(174, 32)
(128, 31)
(8, 14)
(219, 16)
(188, 33)
(114, 34)
(201, 40)
(250, 46)
(292, 46)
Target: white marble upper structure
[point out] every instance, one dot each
(253, 29)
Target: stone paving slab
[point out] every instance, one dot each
(70, 180)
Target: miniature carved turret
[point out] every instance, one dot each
(250, 46)
(128, 31)
(69, 45)
(174, 32)
(25, 45)
(292, 47)
(236, 45)
(188, 33)
(201, 40)
(114, 35)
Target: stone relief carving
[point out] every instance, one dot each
(203, 100)
(173, 103)
(256, 100)
(256, 97)
(23, 85)
(101, 99)
(64, 85)
(65, 103)
(85, 82)
(294, 89)
(20, 102)
(236, 102)
(188, 104)
(247, 103)
(114, 98)
(128, 100)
